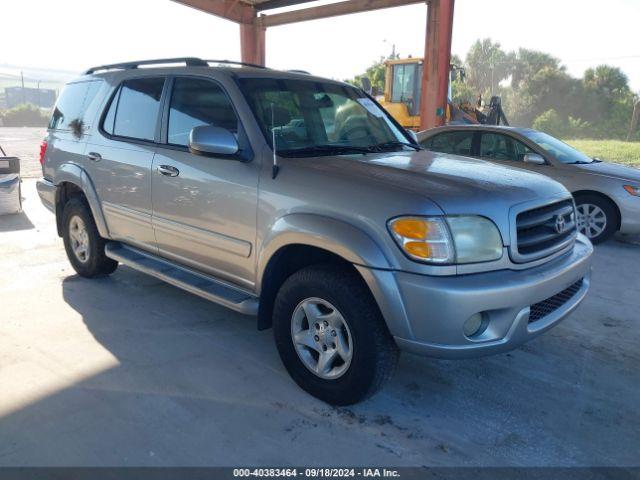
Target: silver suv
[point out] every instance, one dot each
(301, 201)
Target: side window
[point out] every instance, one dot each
(196, 102)
(495, 146)
(520, 150)
(458, 143)
(72, 105)
(133, 112)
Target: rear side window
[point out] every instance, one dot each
(71, 107)
(133, 112)
(196, 102)
(458, 143)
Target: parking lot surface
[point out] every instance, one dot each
(130, 371)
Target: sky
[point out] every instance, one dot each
(73, 35)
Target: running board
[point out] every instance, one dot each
(181, 277)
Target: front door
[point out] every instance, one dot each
(504, 149)
(204, 207)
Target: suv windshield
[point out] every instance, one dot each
(311, 118)
(561, 151)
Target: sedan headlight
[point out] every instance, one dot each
(635, 191)
(447, 240)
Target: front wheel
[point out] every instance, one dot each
(331, 336)
(597, 217)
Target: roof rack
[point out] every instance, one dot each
(188, 61)
(232, 62)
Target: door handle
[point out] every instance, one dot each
(94, 156)
(168, 170)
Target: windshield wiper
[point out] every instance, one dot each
(382, 146)
(324, 149)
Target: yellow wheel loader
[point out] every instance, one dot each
(403, 88)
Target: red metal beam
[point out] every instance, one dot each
(252, 43)
(234, 10)
(435, 76)
(330, 10)
(270, 4)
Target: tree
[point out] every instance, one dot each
(607, 80)
(487, 65)
(526, 63)
(550, 122)
(539, 83)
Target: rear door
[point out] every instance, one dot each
(120, 159)
(204, 212)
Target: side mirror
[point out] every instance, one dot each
(534, 158)
(366, 84)
(209, 140)
(413, 135)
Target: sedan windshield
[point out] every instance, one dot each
(311, 118)
(561, 151)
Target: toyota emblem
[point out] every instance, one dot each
(560, 224)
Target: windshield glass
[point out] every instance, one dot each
(316, 118)
(560, 150)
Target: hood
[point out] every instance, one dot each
(611, 170)
(457, 185)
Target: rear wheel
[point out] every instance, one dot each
(597, 217)
(331, 336)
(82, 242)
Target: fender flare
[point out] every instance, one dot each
(75, 174)
(375, 266)
(326, 233)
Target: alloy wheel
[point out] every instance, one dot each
(79, 238)
(591, 220)
(321, 338)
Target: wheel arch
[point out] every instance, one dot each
(606, 198)
(72, 180)
(301, 240)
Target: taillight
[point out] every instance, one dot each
(43, 151)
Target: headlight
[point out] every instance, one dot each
(635, 191)
(425, 239)
(446, 240)
(476, 239)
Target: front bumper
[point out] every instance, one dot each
(47, 191)
(427, 314)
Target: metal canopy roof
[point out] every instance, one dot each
(252, 11)
(270, 4)
(249, 14)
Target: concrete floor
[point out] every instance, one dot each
(127, 370)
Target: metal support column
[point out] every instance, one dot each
(252, 42)
(435, 75)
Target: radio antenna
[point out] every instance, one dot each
(275, 168)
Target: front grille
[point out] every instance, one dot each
(542, 309)
(544, 230)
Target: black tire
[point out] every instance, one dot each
(609, 210)
(96, 263)
(375, 353)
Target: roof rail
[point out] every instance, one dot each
(188, 61)
(232, 62)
